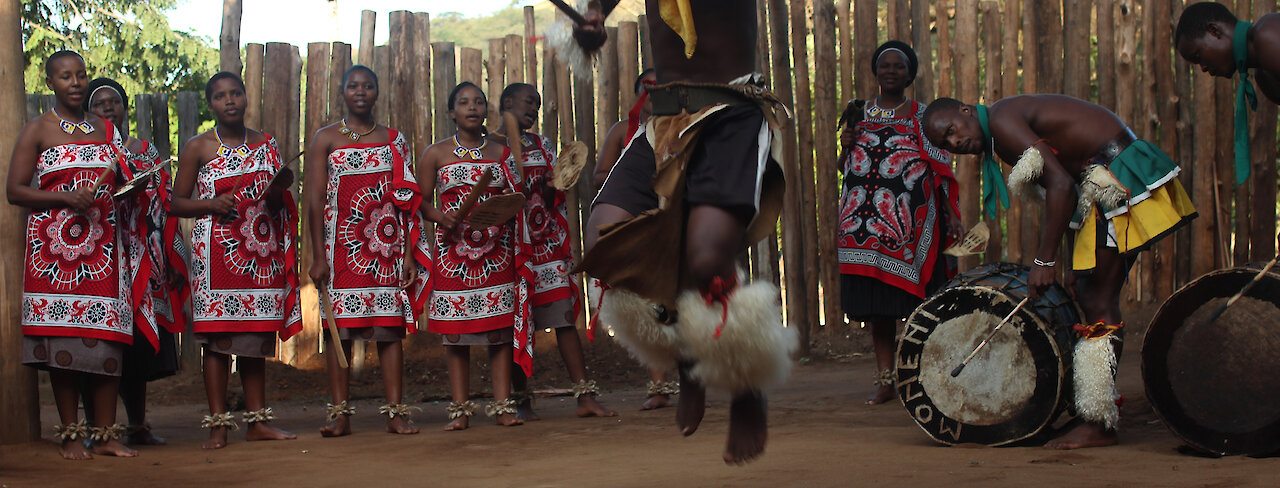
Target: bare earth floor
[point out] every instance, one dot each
(821, 435)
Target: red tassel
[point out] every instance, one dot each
(595, 319)
(719, 290)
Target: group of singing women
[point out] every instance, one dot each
(107, 271)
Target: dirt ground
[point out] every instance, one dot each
(820, 435)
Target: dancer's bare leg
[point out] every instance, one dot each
(660, 400)
(459, 359)
(217, 370)
(524, 410)
(66, 394)
(883, 333)
(571, 352)
(339, 388)
(500, 359)
(253, 376)
(391, 356)
(104, 390)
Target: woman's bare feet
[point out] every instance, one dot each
(74, 450)
(1084, 434)
(883, 394)
(400, 425)
(113, 448)
(748, 428)
(338, 428)
(263, 431)
(589, 407)
(655, 402)
(140, 435)
(508, 420)
(460, 423)
(217, 438)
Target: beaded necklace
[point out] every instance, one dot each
(224, 150)
(70, 127)
(352, 134)
(461, 151)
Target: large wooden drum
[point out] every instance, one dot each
(1018, 384)
(1216, 384)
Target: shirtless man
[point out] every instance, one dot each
(722, 198)
(1060, 142)
(1206, 36)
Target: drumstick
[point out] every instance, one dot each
(956, 372)
(102, 178)
(333, 325)
(481, 185)
(235, 184)
(570, 11)
(1218, 313)
(513, 130)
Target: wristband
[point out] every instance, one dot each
(1044, 264)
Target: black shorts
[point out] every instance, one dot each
(729, 164)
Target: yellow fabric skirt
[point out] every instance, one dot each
(1167, 209)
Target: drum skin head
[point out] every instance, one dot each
(1014, 387)
(1215, 384)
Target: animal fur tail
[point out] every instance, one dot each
(754, 349)
(560, 37)
(635, 326)
(1098, 185)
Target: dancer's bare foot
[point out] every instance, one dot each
(74, 450)
(113, 448)
(589, 407)
(400, 425)
(460, 423)
(1084, 434)
(748, 428)
(263, 431)
(692, 404)
(883, 394)
(524, 411)
(655, 402)
(338, 428)
(141, 435)
(217, 438)
(508, 420)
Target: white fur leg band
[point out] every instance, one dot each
(1094, 381)
(636, 327)
(754, 350)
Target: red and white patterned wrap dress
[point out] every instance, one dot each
(548, 223)
(154, 248)
(244, 272)
(482, 278)
(370, 219)
(72, 283)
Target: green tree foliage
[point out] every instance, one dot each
(127, 40)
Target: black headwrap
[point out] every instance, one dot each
(913, 63)
(105, 82)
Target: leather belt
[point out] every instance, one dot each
(671, 100)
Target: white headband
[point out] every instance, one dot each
(118, 94)
(905, 58)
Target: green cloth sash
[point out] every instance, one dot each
(994, 191)
(1244, 94)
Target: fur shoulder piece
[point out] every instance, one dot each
(1025, 173)
(560, 38)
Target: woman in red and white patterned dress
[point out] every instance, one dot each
(76, 319)
(244, 276)
(370, 247)
(480, 287)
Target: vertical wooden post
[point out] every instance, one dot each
(1030, 211)
(607, 83)
(275, 95)
(844, 41)
(1124, 97)
(864, 41)
(1009, 67)
(585, 130)
(1167, 102)
(424, 118)
(628, 64)
(19, 398)
(188, 123)
(900, 20)
(33, 106)
(471, 65)
(550, 104)
(188, 116)
(496, 68)
(382, 66)
(530, 48)
(1051, 49)
(142, 109)
(1224, 180)
(920, 40)
(515, 59)
(804, 174)
(319, 59)
(317, 112)
(397, 92)
(293, 116)
(160, 125)
(797, 312)
(1076, 47)
(824, 138)
(1106, 71)
(253, 76)
(229, 40)
(646, 46)
(945, 67)
(1202, 236)
(992, 39)
(764, 254)
(965, 57)
(339, 62)
(368, 25)
(564, 109)
(443, 78)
